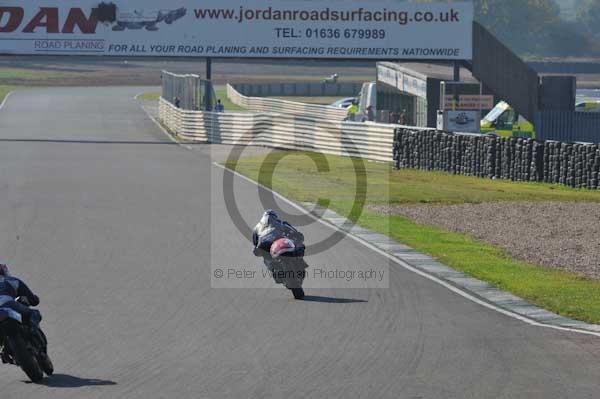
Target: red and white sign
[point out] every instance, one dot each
(380, 29)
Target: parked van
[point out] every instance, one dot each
(368, 98)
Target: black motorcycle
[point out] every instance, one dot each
(289, 271)
(282, 248)
(24, 345)
(285, 261)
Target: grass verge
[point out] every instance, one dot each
(152, 96)
(29, 75)
(4, 90)
(221, 94)
(296, 177)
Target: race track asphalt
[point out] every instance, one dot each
(118, 229)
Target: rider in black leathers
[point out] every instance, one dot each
(269, 229)
(10, 289)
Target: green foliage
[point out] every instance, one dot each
(542, 27)
(588, 16)
(533, 27)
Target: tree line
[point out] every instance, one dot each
(540, 28)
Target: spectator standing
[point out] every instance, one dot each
(403, 120)
(370, 113)
(219, 107)
(352, 111)
(177, 102)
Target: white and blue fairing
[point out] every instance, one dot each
(9, 313)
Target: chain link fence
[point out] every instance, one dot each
(188, 92)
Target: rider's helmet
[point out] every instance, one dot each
(269, 218)
(282, 247)
(4, 270)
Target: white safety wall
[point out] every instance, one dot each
(274, 105)
(367, 140)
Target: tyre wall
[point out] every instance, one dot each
(573, 165)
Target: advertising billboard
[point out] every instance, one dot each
(335, 29)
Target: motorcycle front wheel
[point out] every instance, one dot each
(46, 364)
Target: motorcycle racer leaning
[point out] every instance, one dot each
(282, 248)
(10, 289)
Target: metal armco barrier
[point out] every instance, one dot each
(573, 165)
(299, 132)
(273, 105)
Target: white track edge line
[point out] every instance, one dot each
(165, 132)
(5, 99)
(394, 259)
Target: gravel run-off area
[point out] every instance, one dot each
(563, 236)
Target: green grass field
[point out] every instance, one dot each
(296, 176)
(151, 96)
(24, 76)
(221, 94)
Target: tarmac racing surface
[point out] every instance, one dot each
(118, 229)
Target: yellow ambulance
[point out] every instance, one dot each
(505, 122)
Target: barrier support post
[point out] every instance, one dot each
(456, 79)
(208, 88)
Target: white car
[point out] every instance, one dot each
(344, 103)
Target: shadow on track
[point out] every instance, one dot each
(70, 381)
(325, 299)
(5, 140)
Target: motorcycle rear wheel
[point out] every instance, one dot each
(25, 359)
(298, 293)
